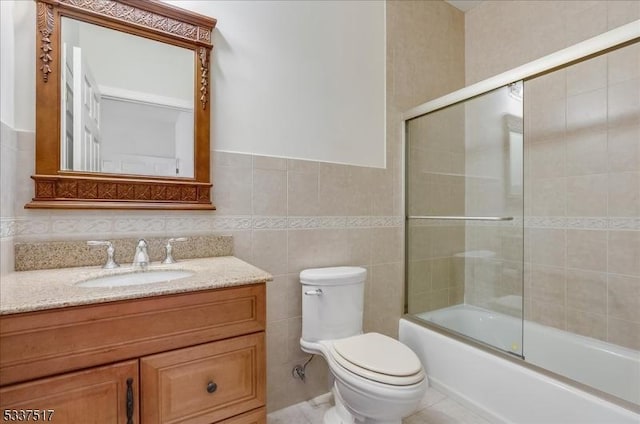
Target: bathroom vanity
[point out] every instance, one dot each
(191, 350)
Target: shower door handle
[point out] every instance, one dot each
(465, 218)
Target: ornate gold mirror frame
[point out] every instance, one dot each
(56, 188)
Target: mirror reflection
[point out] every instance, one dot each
(127, 103)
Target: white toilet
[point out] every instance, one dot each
(377, 378)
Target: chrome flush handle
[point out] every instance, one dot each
(316, 292)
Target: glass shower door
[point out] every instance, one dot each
(464, 206)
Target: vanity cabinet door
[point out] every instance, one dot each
(204, 384)
(102, 395)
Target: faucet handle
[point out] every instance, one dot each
(111, 263)
(168, 259)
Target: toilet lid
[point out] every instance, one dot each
(380, 358)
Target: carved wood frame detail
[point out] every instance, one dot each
(138, 14)
(45, 27)
(153, 19)
(204, 77)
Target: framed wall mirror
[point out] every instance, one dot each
(122, 106)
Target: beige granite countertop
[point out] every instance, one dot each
(28, 291)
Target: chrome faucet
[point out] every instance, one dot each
(141, 258)
(168, 249)
(111, 263)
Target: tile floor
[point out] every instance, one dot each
(435, 408)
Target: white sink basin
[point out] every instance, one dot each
(135, 278)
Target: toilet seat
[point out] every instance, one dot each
(379, 358)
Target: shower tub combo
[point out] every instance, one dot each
(465, 162)
(504, 390)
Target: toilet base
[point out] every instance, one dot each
(332, 417)
(339, 414)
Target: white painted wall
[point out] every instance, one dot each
(25, 64)
(297, 79)
(7, 59)
(301, 79)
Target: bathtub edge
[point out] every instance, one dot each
(407, 332)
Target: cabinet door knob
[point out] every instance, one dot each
(212, 387)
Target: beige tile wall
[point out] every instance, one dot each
(587, 277)
(493, 275)
(425, 59)
(582, 138)
(457, 167)
(494, 280)
(417, 34)
(311, 189)
(435, 275)
(501, 35)
(8, 156)
(436, 186)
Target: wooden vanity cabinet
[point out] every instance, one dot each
(205, 383)
(195, 358)
(106, 394)
(257, 416)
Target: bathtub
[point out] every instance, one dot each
(503, 390)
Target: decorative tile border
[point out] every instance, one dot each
(31, 226)
(361, 221)
(302, 222)
(7, 228)
(226, 223)
(57, 228)
(583, 223)
(269, 222)
(61, 227)
(387, 221)
(594, 223)
(632, 223)
(83, 226)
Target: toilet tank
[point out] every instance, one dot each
(332, 302)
